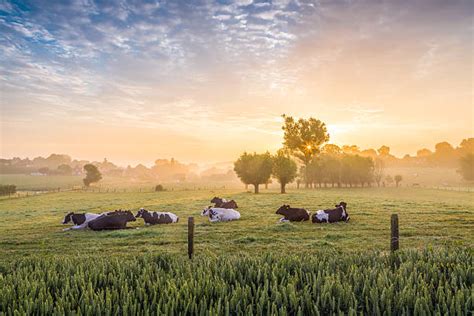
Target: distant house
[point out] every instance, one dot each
(37, 174)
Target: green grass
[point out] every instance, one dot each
(31, 225)
(410, 283)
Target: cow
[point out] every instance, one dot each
(292, 214)
(152, 218)
(338, 214)
(80, 221)
(112, 220)
(223, 203)
(217, 214)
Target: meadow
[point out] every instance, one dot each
(252, 266)
(428, 218)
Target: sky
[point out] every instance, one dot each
(204, 81)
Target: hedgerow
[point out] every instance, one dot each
(408, 282)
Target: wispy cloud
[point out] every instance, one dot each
(229, 68)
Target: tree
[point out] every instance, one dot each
(389, 179)
(398, 178)
(303, 138)
(384, 151)
(7, 189)
(466, 147)
(379, 168)
(92, 174)
(254, 169)
(369, 153)
(65, 169)
(313, 173)
(423, 153)
(284, 169)
(351, 149)
(467, 167)
(445, 155)
(331, 169)
(331, 149)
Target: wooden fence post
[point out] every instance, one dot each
(190, 237)
(394, 235)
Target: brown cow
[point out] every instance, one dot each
(292, 214)
(112, 220)
(223, 203)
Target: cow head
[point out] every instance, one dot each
(68, 218)
(283, 209)
(129, 216)
(216, 200)
(205, 212)
(232, 204)
(345, 215)
(141, 212)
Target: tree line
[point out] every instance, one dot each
(6, 189)
(305, 144)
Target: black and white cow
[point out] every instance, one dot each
(80, 221)
(152, 218)
(112, 220)
(339, 214)
(217, 214)
(223, 203)
(292, 214)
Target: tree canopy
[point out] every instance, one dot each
(92, 174)
(467, 167)
(284, 169)
(303, 138)
(254, 169)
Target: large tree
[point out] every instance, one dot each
(303, 139)
(398, 178)
(284, 169)
(254, 169)
(467, 167)
(379, 168)
(92, 174)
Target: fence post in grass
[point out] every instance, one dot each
(394, 236)
(190, 237)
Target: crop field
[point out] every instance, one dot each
(410, 283)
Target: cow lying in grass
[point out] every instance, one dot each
(217, 214)
(338, 214)
(80, 221)
(223, 203)
(153, 218)
(112, 220)
(291, 214)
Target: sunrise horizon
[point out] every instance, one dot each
(203, 82)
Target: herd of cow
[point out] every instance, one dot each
(222, 211)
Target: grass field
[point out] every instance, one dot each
(428, 218)
(251, 266)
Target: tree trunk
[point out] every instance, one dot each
(246, 186)
(282, 187)
(266, 186)
(256, 188)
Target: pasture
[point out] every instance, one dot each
(428, 218)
